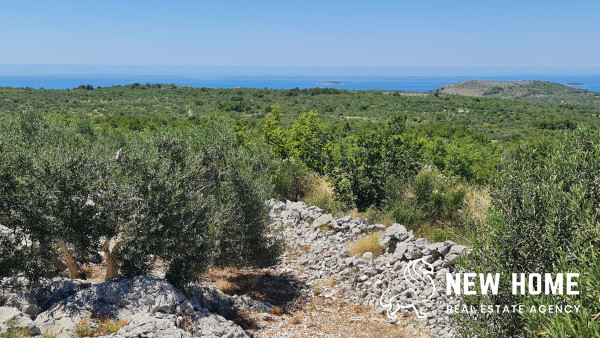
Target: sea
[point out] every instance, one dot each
(413, 79)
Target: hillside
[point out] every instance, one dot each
(528, 91)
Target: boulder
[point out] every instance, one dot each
(322, 220)
(457, 249)
(151, 303)
(413, 252)
(401, 250)
(147, 325)
(450, 260)
(337, 226)
(434, 249)
(60, 288)
(26, 302)
(446, 248)
(213, 299)
(396, 231)
(245, 302)
(12, 318)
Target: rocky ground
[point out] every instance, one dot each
(318, 289)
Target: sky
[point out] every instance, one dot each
(331, 33)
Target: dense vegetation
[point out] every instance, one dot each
(160, 171)
(146, 107)
(545, 218)
(190, 198)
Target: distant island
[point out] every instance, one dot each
(330, 83)
(529, 91)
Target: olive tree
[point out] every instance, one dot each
(198, 202)
(190, 199)
(545, 218)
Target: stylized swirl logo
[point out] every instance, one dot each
(418, 275)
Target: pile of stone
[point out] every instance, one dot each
(146, 305)
(317, 251)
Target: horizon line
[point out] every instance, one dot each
(279, 66)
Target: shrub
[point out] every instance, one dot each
(361, 171)
(202, 202)
(291, 180)
(439, 197)
(544, 219)
(275, 136)
(192, 199)
(429, 197)
(310, 141)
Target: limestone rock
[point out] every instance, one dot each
(17, 320)
(26, 302)
(322, 220)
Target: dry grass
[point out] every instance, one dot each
(276, 310)
(354, 213)
(278, 289)
(94, 273)
(305, 248)
(368, 243)
(478, 201)
(226, 286)
(105, 326)
(322, 196)
(360, 308)
(239, 284)
(330, 282)
(387, 222)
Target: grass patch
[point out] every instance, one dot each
(276, 310)
(240, 284)
(478, 201)
(321, 195)
(368, 243)
(330, 282)
(104, 327)
(325, 227)
(13, 332)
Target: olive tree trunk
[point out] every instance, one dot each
(71, 265)
(111, 267)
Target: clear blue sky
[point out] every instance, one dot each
(417, 33)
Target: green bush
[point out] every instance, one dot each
(361, 171)
(191, 198)
(291, 180)
(443, 235)
(438, 196)
(545, 218)
(428, 197)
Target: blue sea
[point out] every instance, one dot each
(358, 78)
